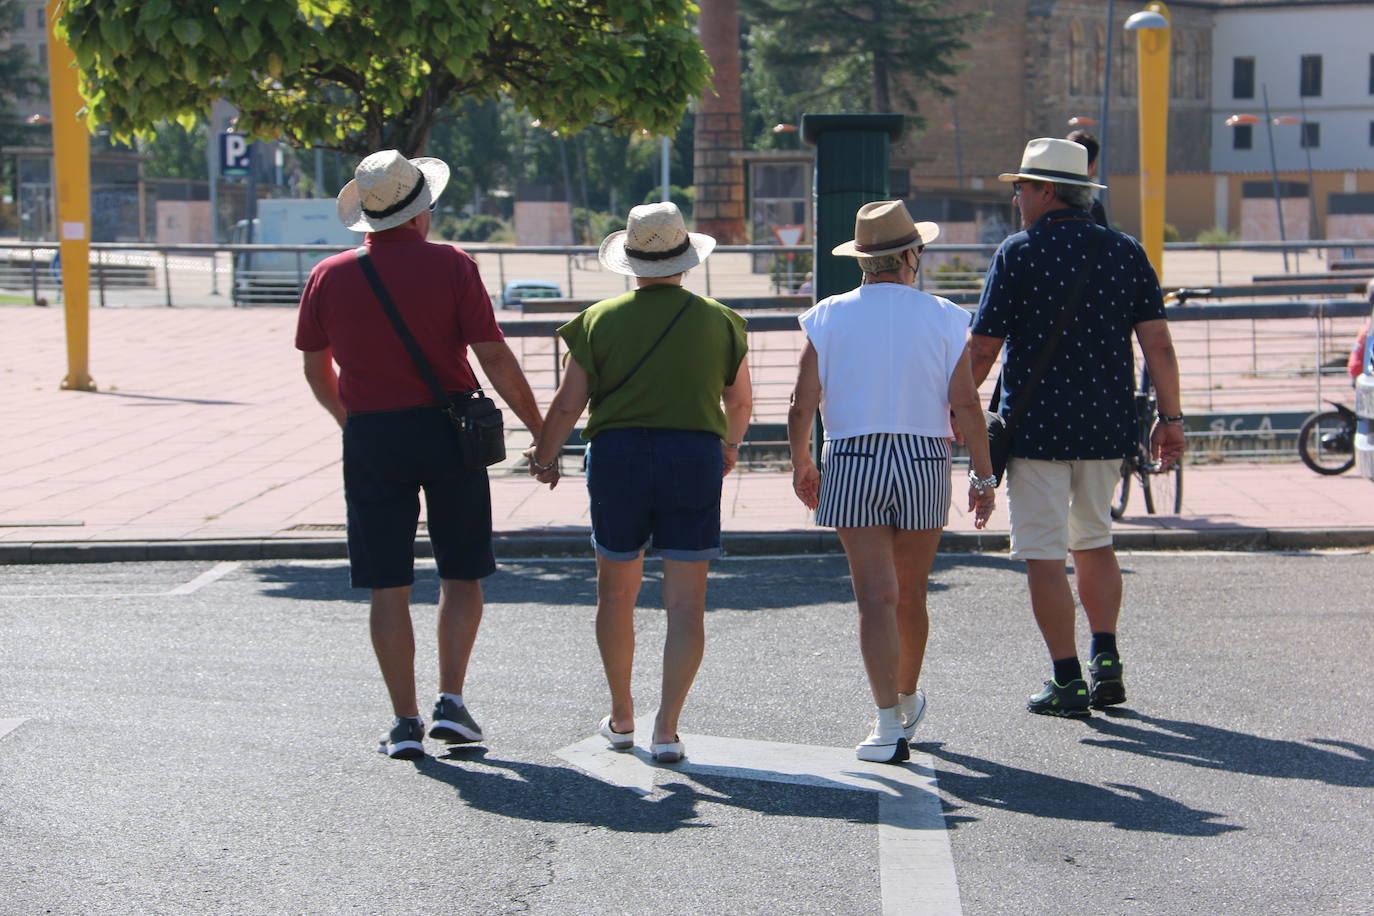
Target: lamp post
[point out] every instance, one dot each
(1249, 119)
(1307, 151)
(1151, 27)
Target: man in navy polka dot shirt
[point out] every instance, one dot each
(1080, 422)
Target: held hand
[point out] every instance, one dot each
(1167, 444)
(728, 458)
(981, 503)
(806, 483)
(550, 477)
(529, 456)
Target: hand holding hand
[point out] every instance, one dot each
(981, 503)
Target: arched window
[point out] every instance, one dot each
(1099, 55)
(1125, 65)
(1202, 70)
(1075, 51)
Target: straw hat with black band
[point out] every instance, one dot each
(1054, 160)
(654, 243)
(388, 189)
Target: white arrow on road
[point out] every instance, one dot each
(914, 856)
(9, 725)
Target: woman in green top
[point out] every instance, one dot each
(656, 365)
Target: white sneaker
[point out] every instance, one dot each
(912, 708)
(886, 743)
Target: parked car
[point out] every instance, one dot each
(517, 291)
(1364, 410)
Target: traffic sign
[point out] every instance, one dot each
(788, 235)
(235, 154)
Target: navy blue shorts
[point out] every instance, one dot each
(655, 486)
(388, 458)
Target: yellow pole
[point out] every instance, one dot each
(1152, 54)
(72, 172)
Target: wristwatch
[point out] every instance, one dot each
(1172, 420)
(981, 483)
(734, 445)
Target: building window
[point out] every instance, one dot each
(1311, 137)
(40, 19)
(1371, 133)
(1310, 77)
(1243, 78)
(1371, 74)
(1243, 136)
(43, 54)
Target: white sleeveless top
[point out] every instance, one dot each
(886, 355)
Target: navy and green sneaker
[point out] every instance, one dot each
(1069, 699)
(1107, 687)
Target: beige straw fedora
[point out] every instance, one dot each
(654, 243)
(1052, 159)
(885, 227)
(388, 189)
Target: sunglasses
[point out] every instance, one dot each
(434, 206)
(1016, 186)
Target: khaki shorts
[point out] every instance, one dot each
(1058, 506)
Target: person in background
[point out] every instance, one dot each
(1355, 365)
(1089, 143)
(886, 364)
(664, 372)
(396, 440)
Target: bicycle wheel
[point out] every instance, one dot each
(1325, 443)
(1123, 492)
(1164, 490)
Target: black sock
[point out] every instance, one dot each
(1102, 642)
(1067, 669)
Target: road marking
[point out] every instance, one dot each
(914, 857)
(9, 725)
(218, 571)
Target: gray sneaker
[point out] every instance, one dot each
(405, 741)
(453, 723)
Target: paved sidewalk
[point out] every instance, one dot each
(204, 441)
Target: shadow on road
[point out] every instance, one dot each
(752, 585)
(566, 795)
(996, 785)
(1235, 752)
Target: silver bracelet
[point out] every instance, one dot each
(544, 467)
(981, 483)
(734, 445)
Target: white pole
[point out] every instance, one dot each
(666, 184)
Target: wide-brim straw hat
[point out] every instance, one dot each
(1052, 159)
(885, 227)
(388, 189)
(654, 243)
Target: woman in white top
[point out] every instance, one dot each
(887, 364)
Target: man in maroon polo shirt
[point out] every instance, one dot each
(396, 440)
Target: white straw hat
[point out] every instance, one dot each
(1052, 159)
(654, 243)
(388, 189)
(885, 227)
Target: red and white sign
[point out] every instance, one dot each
(788, 235)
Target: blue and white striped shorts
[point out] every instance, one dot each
(895, 479)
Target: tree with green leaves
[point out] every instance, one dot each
(857, 55)
(360, 75)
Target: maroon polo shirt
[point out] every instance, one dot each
(440, 296)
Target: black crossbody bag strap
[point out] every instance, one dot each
(650, 352)
(374, 279)
(1075, 296)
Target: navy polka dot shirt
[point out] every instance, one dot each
(1083, 407)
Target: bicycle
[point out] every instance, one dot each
(1162, 487)
(1326, 440)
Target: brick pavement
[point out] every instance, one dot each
(204, 429)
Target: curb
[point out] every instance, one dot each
(514, 546)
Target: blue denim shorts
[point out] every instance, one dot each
(658, 487)
(388, 458)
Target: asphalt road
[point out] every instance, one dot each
(199, 738)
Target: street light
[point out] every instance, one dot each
(1151, 26)
(1236, 120)
(1081, 121)
(1307, 151)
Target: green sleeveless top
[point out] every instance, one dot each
(679, 385)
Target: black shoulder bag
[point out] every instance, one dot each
(1002, 431)
(480, 426)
